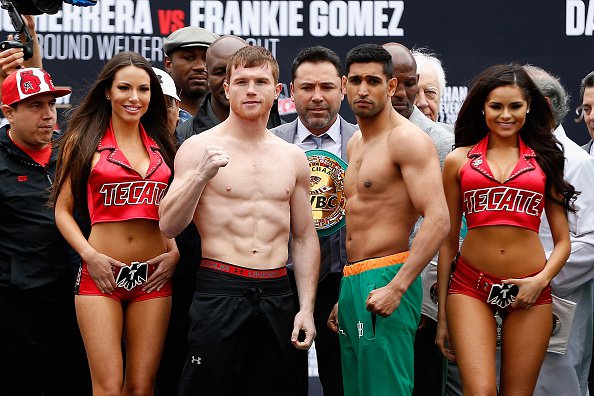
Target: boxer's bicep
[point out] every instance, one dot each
(422, 176)
(185, 162)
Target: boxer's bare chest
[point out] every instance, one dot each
(370, 171)
(256, 175)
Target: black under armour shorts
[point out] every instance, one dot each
(239, 342)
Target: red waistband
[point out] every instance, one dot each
(469, 269)
(243, 271)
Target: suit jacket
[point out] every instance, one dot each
(287, 132)
(447, 127)
(444, 140)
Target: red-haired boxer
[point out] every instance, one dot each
(246, 190)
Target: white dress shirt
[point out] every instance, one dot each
(579, 171)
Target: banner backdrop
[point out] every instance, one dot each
(468, 36)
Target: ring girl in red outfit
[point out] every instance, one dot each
(114, 168)
(506, 169)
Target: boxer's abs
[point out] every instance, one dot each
(253, 233)
(377, 228)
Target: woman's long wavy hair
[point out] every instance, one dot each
(537, 131)
(90, 119)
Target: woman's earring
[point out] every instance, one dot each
(527, 111)
(483, 111)
(108, 97)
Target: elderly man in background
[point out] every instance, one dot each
(432, 83)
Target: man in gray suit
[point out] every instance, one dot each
(587, 96)
(316, 90)
(429, 363)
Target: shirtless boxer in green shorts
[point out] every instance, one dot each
(392, 178)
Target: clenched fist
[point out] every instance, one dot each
(214, 158)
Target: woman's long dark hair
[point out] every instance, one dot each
(537, 131)
(91, 118)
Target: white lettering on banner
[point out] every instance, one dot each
(283, 18)
(71, 19)
(147, 46)
(268, 43)
(578, 20)
(6, 23)
(65, 46)
(355, 18)
(108, 16)
(248, 18)
(451, 101)
(82, 46)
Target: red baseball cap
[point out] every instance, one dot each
(26, 83)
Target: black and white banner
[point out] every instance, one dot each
(467, 36)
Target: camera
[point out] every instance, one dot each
(36, 7)
(27, 50)
(21, 29)
(31, 7)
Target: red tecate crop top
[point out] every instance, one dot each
(117, 192)
(518, 201)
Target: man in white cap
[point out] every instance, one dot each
(42, 351)
(171, 98)
(185, 61)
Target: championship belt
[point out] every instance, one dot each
(430, 300)
(326, 191)
(563, 312)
